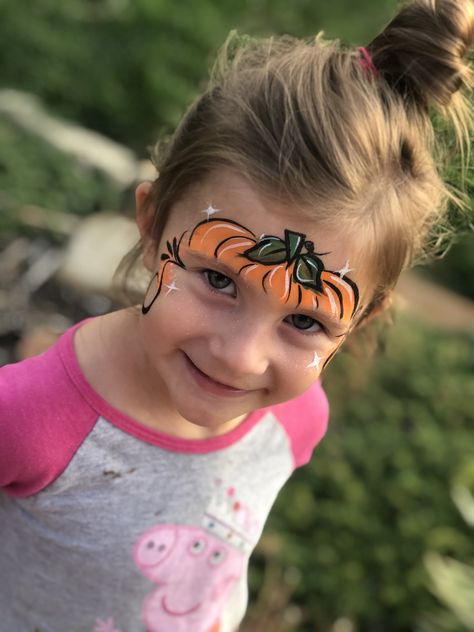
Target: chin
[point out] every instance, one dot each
(210, 421)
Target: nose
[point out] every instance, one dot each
(241, 349)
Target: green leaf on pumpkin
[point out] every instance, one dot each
(294, 242)
(307, 272)
(269, 251)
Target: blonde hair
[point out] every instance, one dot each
(310, 122)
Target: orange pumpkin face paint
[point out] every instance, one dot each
(287, 269)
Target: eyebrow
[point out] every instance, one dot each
(211, 262)
(319, 313)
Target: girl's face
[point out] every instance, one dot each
(248, 302)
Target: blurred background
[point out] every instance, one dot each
(376, 533)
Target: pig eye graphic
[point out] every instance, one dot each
(197, 546)
(217, 557)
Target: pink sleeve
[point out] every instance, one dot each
(305, 420)
(43, 421)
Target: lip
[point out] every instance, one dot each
(209, 384)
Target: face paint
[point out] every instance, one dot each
(316, 361)
(210, 210)
(287, 269)
(172, 287)
(333, 353)
(343, 271)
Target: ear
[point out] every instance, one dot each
(373, 311)
(144, 212)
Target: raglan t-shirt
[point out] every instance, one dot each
(109, 526)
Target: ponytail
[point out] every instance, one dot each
(422, 53)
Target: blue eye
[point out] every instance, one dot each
(219, 282)
(304, 323)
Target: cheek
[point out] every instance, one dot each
(177, 311)
(294, 376)
(294, 383)
(299, 369)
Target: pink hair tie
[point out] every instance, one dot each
(366, 61)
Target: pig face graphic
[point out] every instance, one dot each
(194, 572)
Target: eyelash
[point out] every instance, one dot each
(208, 272)
(305, 332)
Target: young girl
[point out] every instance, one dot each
(140, 456)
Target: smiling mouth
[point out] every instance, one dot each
(210, 384)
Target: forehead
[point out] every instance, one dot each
(225, 195)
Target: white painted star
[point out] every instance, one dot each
(343, 271)
(210, 210)
(171, 287)
(315, 362)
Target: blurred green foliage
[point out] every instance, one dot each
(359, 518)
(34, 173)
(129, 68)
(450, 270)
(452, 581)
(456, 270)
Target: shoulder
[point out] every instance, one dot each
(43, 419)
(305, 420)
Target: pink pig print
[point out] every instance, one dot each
(195, 572)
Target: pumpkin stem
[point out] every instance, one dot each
(294, 243)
